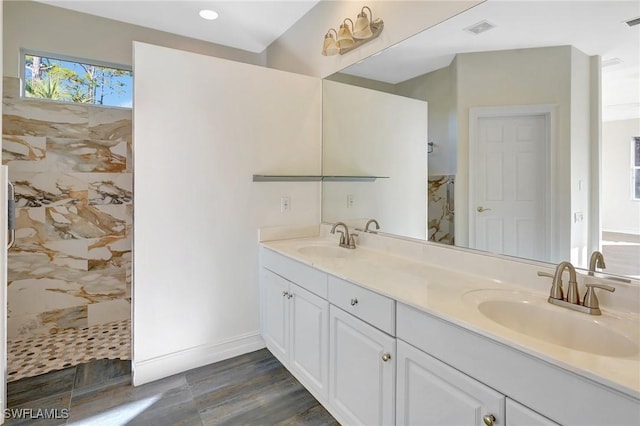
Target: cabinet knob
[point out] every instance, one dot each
(289, 296)
(285, 294)
(386, 357)
(489, 419)
(354, 301)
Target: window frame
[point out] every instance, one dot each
(32, 52)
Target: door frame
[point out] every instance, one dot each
(549, 112)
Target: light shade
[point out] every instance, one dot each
(362, 28)
(330, 47)
(344, 38)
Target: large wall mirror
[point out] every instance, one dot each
(512, 128)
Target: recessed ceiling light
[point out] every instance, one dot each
(209, 15)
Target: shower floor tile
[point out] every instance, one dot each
(40, 354)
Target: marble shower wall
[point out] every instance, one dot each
(71, 166)
(440, 211)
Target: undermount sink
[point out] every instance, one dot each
(532, 316)
(325, 251)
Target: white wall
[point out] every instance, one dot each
(439, 89)
(29, 24)
(619, 212)
(197, 143)
(366, 132)
(581, 141)
(299, 49)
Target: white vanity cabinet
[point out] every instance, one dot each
(563, 396)
(362, 371)
(432, 393)
(275, 313)
(295, 326)
(519, 415)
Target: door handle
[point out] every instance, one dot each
(11, 215)
(481, 209)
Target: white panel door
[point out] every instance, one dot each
(275, 314)
(309, 351)
(519, 415)
(362, 383)
(433, 393)
(510, 206)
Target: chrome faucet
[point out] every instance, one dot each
(589, 305)
(596, 261)
(346, 240)
(369, 222)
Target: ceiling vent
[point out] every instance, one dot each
(611, 62)
(480, 27)
(633, 22)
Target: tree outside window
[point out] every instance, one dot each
(78, 82)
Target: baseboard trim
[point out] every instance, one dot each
(145, 371)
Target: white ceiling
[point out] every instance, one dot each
(594, 27)
(246, 25)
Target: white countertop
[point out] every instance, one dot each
(450, 295)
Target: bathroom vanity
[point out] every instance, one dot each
(401, 332)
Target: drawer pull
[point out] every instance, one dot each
(354, 301)
(489, 419)
(285, 294)
(289, 296)
(386, 357)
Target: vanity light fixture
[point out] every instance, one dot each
(350, 35)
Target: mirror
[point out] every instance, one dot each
(527, 148)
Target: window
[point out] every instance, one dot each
(67, 79)
(635, 172)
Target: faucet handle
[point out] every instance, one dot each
(341, 236)
(545, 274)
(352, 240)
(590, 298)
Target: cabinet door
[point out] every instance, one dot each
(433, 393)
(310, 339)
(361, 371)
(275, 314)
(519, 415)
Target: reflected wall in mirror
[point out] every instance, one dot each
(371, 133)
(531, 124)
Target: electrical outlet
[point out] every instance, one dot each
(285, 204)
(350, 201)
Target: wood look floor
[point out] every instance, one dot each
(252, 389)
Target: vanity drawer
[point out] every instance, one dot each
(305, 276)
(377, 310)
